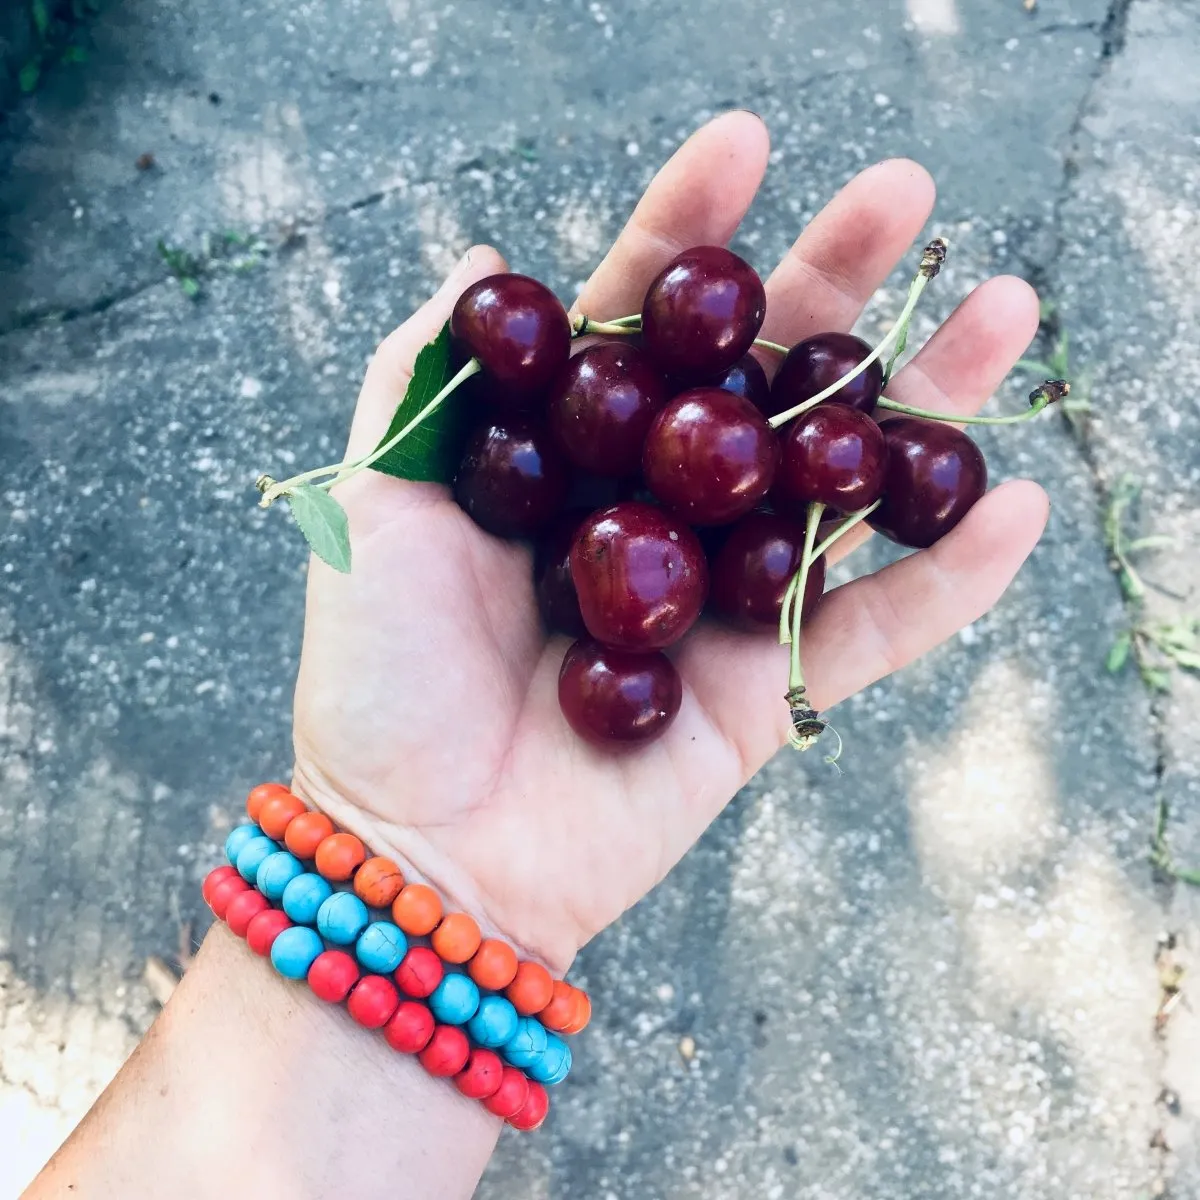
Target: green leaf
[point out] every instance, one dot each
(1119, 654)
(1192, 877)
(1156, 679)
(29, 75)
(190, 286)
(1188, 659)
(1153, 541)
(41, 18)
(428, 453)
(323, 522)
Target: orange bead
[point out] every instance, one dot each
(417, 909)
(339, 856)
(306, 833)
(378, 882)
(582, 1014)
(531, 989)
(260, 795)
(456, 939)
(494, 965)
(561, 1008)
(278, 813)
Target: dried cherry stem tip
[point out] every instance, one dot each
(807, 725)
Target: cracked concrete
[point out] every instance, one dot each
(933, 976)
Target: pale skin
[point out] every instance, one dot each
(427, 722)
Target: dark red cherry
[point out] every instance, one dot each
(513, 479)
(601, 406)
(934, 474)
(813, 365)
(832, 455)
(746, 378)
(710, 455)
(556, 598)
(702, 313)
(610, 695)
(640, 575)
(752, 570)
(517, 329)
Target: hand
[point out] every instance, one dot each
(427, 717)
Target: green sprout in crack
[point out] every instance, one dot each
(230, 250)
(1161, 858)
(185, 266)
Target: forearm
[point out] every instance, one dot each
(250, 1085)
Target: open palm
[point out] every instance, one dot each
(427, 717)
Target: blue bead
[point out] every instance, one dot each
(237, 839)
(251, 855)
(527, 1045)
(342, 918)
(455, 999)
(495, 1023)
(275, 872)
(554, 1064)
(294, 950)
(303, 897)
(381, 947)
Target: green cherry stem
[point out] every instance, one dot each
(1040, 399)
(844, 528)
(348, 469)
(931, 263)
(807, 726)
(584, 326)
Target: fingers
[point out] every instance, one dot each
(698, 198)
(389, 372)
(847, 252)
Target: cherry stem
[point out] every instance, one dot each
(1040, 399)
(583, 326)
(768, 345)
(931, 264)
(349, 468)
(796, 614)
(844, 528)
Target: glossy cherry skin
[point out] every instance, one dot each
(610, 695)
(710, 455)
(517, 329)
(640, 574)
(601, 406)
(752, 570)
(934, 475)
(745, 378)
(513, 478)
(552, 582)
(832, 455)
(702, 313)
(813, 365)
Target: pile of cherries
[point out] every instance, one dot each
(646, 471)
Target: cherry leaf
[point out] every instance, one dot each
(323, 522)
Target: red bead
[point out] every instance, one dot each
(419, 972)
(332, 975)
(410, 1028)
(509, 1098)
(265, 928)
(447, 1052)
(213, 878)
(482, 1075)
(373, 1001)
(533, 1111)
(222, 893)
(243, 909)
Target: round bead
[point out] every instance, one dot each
(243, 909)
(260, 795)
(531, 990)
(381, 947)
(554, 1063)
(306, 833)
(482, 1075)
(332, 975)
(223, 894)
(509, 1098)
(533, 1111)
(494, 1023)
(561, 1008)
(527, 1045)
(583, 1013)
(457, 938)
(339, 856)
(238, 838)
(447, 1051)
(215, 876)
(378, 882)
(455, 999)
(342, 918)
(295, 950)
(417, 909)
(420, 972)
(494, 965)
(373, 1001)
(278, 813)
(275, 872)
(265, 928)
(410, 1028)
(303, 897)
(250, 856)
